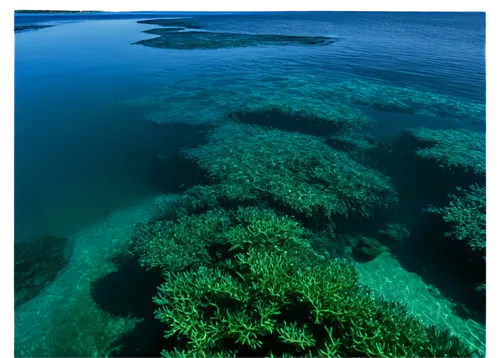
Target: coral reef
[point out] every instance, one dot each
(453, 148)
(177, 245)
(274, 296)
(297, 171)
(248, 251)
(171, 38)
(466, 215)
(194, 40)
(407, 100)
(299, 102)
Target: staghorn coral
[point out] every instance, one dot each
(452, 148)
(195, 200)
(466, 214)
(187, 241)
(176, 245)
(261, 227)
(267, 300)
(297, 171)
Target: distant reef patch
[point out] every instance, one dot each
(172, 37)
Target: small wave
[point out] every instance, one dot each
(195, 30)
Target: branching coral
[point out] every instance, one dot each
(466, 214)
(195, 200)
(263, 228)
(175, 245)
(252, 309)
(270, 300)
(297, 171)
(453, 148)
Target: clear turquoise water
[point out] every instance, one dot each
(80, 154)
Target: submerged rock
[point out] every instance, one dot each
(366, 249)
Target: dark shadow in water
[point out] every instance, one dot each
(170, 171)
(287, 119)
(130, 290)
(194, 40)
(447, 264)
(22, 28)
(175, 174)
(419, 182)
(37, 264)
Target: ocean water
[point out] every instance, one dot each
(78, 151)
(91, 91)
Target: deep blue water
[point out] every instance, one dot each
(80, 154)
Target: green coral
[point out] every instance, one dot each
(175, 245)
(175, 353)
(297, 171)
(466, 214)
(453, 148)
(270, 300)
(197, 199)
(262, 228)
